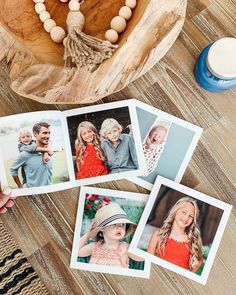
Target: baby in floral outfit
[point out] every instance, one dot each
(153, 146)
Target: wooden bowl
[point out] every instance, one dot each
(35, 62)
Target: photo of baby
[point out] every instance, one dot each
(154, 144)
(168, 143)
(106, 222)
(180, 229)
(105, 143)
(33, 152)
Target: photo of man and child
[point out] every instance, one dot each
(180, 229)
(33, 152)
(106, 221)
(104, 144)
(54, 150)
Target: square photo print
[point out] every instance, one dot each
(181, 229)
(168, 144)
(105, 223)
(105, 143)
(33, 153)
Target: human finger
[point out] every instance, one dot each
(3, 199)
(9, 204)
(3, 210)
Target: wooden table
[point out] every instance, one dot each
(43, 225)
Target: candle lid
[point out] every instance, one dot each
(221, 58)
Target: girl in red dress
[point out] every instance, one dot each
(89, 155)
(179, 240)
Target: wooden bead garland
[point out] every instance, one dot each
(118, 23)
(80, 49)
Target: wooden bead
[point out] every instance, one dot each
(39, 7)
(125, 12)
(118, 24)
(74, 5)
(49, 24)
(57, 34)
(39, 1)
(44, 15)
(130, 3)
(111, 35)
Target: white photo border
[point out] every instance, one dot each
(215, 244)
(131, 104)
(41, 189)
(172, 119)
(80, 210)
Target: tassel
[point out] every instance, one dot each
(81, 49)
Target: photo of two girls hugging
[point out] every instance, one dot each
(105, 152)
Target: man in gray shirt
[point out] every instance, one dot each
(38, 173)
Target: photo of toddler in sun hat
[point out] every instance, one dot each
(109, 227)
(105, 224)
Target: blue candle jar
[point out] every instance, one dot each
(215, 69)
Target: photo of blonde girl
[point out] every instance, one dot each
(179, 239)
(105, 143)
(89, 155)
(180, 229)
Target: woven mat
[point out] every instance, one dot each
(16, 274)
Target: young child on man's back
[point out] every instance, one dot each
(27, 144)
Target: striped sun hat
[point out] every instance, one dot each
(111, 214)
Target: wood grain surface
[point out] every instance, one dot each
(35, 63)
(43, 225)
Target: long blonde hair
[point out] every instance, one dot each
(192, 231)
(80, 144)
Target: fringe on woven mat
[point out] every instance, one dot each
(17, 276)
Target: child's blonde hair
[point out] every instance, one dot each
(22, 131)
(80, 144)
(107, 126)
(192, 231)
